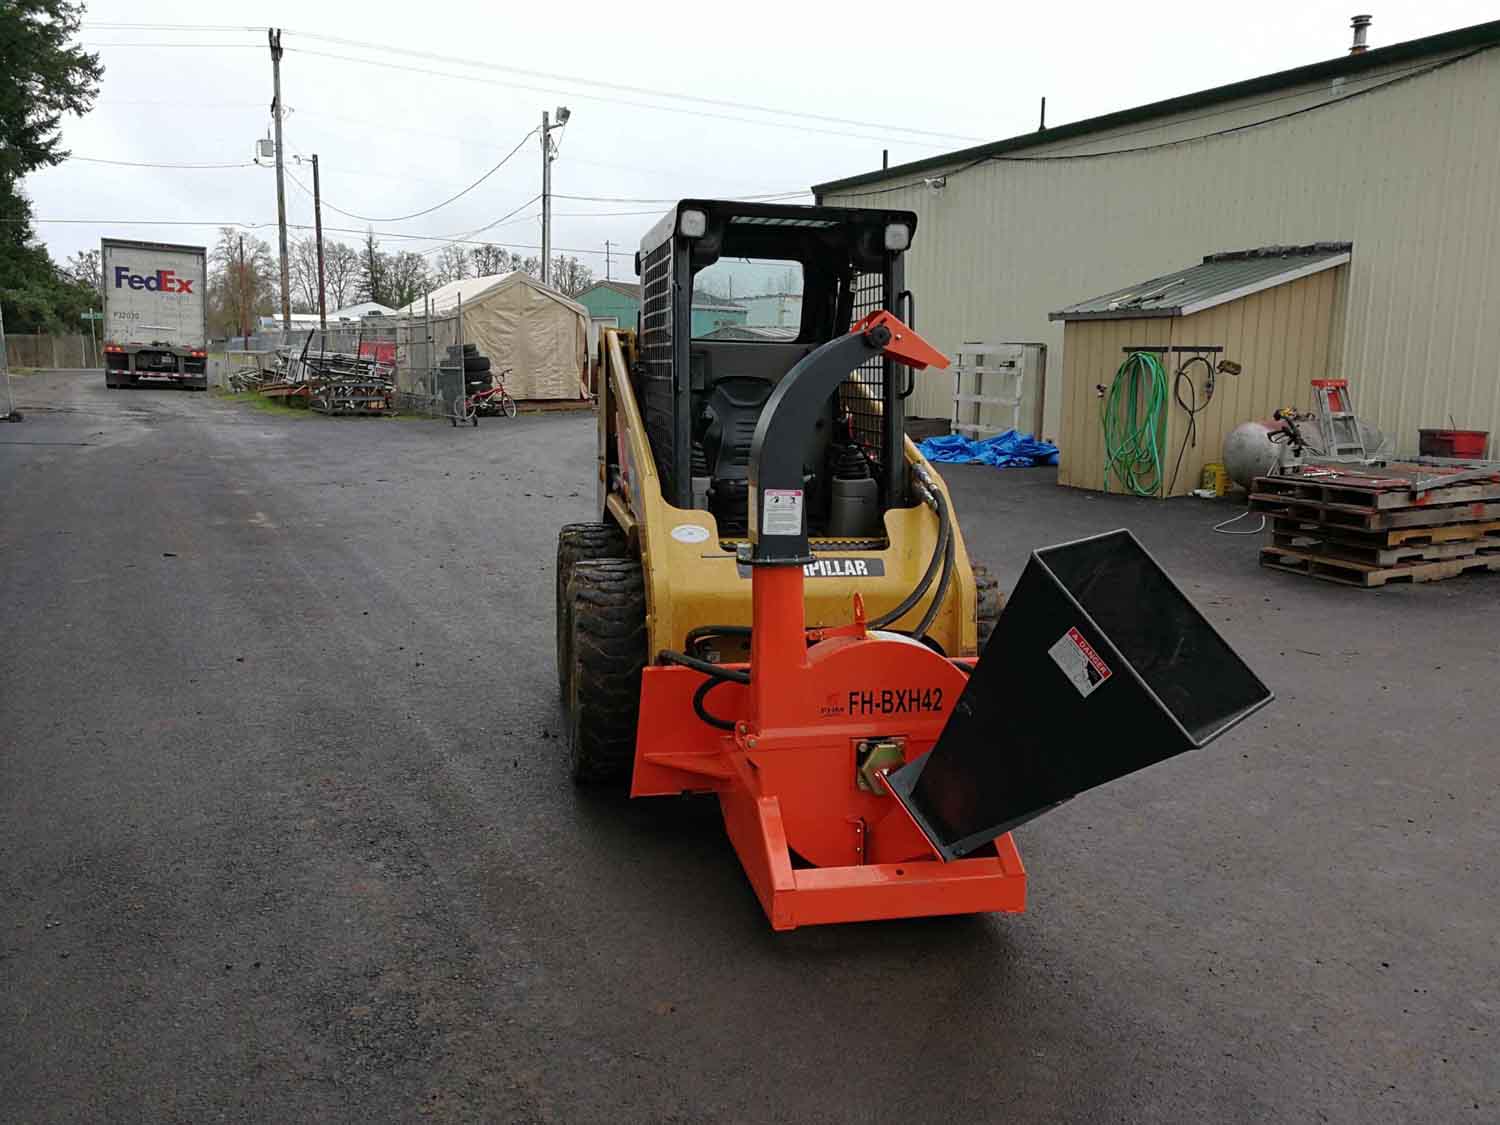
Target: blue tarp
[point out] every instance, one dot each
(1012, 449)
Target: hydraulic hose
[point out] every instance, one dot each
(950, 553)
(700, 708)
(943, 554)
(703, 632)
(715, 675)
(939, 554)
(1131, 418)
(717, 671)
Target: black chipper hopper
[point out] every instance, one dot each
(1099, 666)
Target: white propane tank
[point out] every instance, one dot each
(1250, 453)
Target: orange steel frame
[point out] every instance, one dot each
(817, 847)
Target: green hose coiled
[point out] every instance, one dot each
(1131, 435)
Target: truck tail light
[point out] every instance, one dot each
(113, 348)
(198, 355)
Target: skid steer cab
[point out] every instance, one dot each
(776, 605)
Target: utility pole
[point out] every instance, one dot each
(244, 312)
(546, 199)
(549, 154)
(11, 413)
(606, 261)
(318, 227)
(274, 38)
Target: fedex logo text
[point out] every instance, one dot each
(162, 281)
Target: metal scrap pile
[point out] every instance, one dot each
(331, 382)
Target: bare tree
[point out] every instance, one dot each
(373, 283)
(491, 259)
(241, 281)
(570, 276)
(340, 274)
(407, 277)
(452, 264)
(86, 269)
(303, 271)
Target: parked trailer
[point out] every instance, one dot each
(155, 313)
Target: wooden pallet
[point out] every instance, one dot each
(1352, 573)
(1380, 494)
(1345, 547)
(1362, 517)
(1391, 536)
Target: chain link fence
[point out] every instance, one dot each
(409, 353)
(37, 350)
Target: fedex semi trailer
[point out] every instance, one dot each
(155, 313)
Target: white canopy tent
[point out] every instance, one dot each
(520, 324)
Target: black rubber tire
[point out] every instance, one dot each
(608, 643)
(476, 364)
(577, 542)
(987, 602)
(509, 406)
(468, 349)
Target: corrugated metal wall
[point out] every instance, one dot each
(1408, 171)
(1281, 337)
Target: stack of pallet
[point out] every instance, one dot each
(1371, 526)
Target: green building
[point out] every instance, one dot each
(617, 299)
(621, 302)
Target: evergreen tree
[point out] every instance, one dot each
(45, 77)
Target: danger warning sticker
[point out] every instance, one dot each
(783, 514)
(1079, 662)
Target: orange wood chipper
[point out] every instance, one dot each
(866, 768)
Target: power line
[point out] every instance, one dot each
(771, 197)
(436, 246)
(444, 240)
(601, 214)
(435, 206)
(646, 90)
(573, 94)
(194, 46)
(382, 128)
(144, 163)
(236, 224)
(465, 236)
(108, 25)
(551, 76)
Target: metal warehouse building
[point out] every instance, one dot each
(1393, 150)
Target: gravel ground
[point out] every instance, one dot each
(287, 832)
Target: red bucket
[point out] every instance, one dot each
(1454, 443)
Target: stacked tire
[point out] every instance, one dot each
(476, 367)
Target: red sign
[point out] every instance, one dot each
(383, 351)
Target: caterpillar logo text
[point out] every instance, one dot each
(162, 281)
(836, 568)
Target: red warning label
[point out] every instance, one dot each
(1083, 667)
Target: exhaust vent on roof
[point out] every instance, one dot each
(1361, 26)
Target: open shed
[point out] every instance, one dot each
(521, 324)
(1277, 312)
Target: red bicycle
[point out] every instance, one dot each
(491, 401)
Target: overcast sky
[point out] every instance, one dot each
(420, 100)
